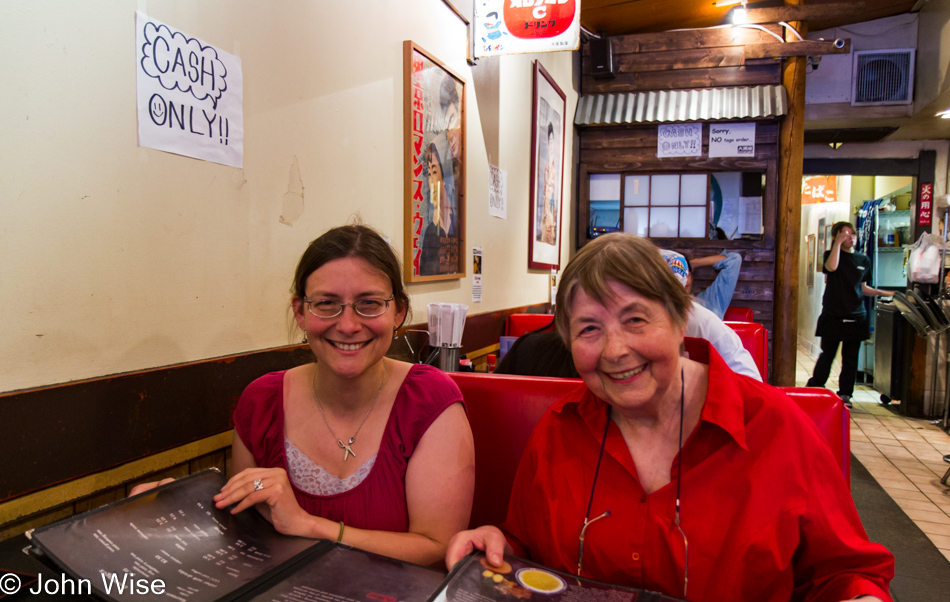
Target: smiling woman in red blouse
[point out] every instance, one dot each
(672, 474)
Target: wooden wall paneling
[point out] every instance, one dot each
(688, 40)
(697, 58)
(644, 135)
(75, 429)
(618, 160)
(685, 79)
(582, 211)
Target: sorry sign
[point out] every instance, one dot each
(189, 95)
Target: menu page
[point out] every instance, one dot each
(474, 580)
(171, 542)
(345, 574)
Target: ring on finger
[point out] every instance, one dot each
(258, 484)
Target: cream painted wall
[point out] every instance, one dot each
(116, 258)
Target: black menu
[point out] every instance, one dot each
(474, 580)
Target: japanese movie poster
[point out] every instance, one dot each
(435, 160)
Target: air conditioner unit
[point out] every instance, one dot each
(882, 77)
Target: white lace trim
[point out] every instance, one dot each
(315, 479)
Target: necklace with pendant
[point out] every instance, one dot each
(347, 447)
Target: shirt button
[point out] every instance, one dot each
(635, 555)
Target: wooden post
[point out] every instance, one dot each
(789, 222)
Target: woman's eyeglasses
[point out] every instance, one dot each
(371, 307)
(676, 517)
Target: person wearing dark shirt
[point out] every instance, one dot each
(843, 319)
(540, 352)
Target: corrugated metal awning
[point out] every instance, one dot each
(682, 105)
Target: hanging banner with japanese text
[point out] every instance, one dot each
(516, 26)
(925, 214)
(189, 95)
(819, 189)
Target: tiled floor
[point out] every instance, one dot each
(905, 455)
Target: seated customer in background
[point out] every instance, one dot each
(540, 352)
(671, 474)
(717, 296)
(544, 354)
(354, 447)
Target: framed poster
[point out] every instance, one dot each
(810, 260)
(828, 240)
(434, 176)
(548, 125)
(821, 243)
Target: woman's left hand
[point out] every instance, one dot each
(274, 499)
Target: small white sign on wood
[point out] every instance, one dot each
(731, 139)
(680, 140)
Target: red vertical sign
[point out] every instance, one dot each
(925, 212)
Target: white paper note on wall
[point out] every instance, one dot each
(750, 215)
(497, 192)
(189, 95)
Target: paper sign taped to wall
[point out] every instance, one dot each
(497, 192)
(731, 139)
(189, 95)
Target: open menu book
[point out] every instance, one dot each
(173, 543)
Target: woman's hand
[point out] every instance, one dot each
(488, 539)
(148, 486)
(275, 500)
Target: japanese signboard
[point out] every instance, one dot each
(925, 214)
(516, 26)
(819, 189)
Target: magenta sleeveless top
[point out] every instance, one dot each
(379, 501)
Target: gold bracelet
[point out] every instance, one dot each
(340, 536)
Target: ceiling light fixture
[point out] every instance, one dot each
(944, 114)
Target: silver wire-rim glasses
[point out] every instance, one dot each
(371, 307)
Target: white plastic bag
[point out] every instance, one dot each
(924, 261)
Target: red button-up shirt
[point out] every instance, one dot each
(764, 506)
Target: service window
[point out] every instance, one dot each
(716, 205)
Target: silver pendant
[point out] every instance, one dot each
(347, 450)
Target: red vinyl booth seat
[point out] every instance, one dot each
(519, 324)
(755, 339)
(738, 314)
(503, 411)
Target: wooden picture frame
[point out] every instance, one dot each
(810, 260)
(434, 168)
(548, 128)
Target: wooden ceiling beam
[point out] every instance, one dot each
(851, 12)
(803, 48)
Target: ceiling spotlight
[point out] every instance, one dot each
(739, 16)
(944, 114)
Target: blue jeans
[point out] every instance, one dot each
(717, 297)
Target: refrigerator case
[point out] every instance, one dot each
(881, 236)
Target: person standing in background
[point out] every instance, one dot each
(843, 319)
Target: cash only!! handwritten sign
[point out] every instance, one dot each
(189, 95)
